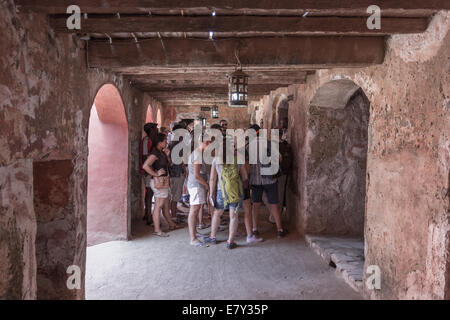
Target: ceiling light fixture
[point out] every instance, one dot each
(238, 86)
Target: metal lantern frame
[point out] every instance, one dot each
(214, 112)
(238, 89)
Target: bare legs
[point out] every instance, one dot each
(255, 211)
(234, 222)
(161, 203)
(200, 215)
(215, 222)
(247, 204)
(167, 214)
(193, 214)
(274, 211)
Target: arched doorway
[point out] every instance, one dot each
(159, 118)
(337, 141)
(107, 168)
(149, 116)
(335, 181)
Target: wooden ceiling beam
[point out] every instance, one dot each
(207, 84)
(263, 72)
(337, 25)
(139, 6)
(284, 51)
(187, 93)
(203, 102)
(206, 80)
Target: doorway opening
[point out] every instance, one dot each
(337, 141)
(107, 194)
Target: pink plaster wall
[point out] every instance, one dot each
(107, 169)
(149, 116)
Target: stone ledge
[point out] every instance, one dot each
(347, 254)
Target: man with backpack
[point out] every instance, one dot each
(145, 147)
(285, 170)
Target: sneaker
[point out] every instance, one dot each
(255, 232)
(231, 245)
(253, 239)
(210, 240)
(202, 226)
(282, 233)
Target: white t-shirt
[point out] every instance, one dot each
(193, 158)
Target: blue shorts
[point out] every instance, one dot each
(271, 191)
(220, 205)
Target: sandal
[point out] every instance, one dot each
(161, 234)
(175, 227)
(197, 243)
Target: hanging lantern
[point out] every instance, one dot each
(214, 112)
(238, 89)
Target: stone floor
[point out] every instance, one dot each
(347, 255)
(150, 267)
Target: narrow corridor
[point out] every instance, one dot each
(150, 267)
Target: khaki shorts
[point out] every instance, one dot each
(176, 188)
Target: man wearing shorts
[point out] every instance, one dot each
(264, 184)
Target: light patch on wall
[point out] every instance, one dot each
(5, 97)
(423, 46)
(49, 142)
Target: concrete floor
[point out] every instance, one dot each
(150, 267)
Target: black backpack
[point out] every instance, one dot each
(286, 157)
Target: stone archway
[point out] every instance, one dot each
(107, 193)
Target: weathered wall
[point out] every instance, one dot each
(46, 93)
(407, 214)
(336, 168)
(17, 231)
(53, 208)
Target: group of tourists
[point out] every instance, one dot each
(215, 188)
